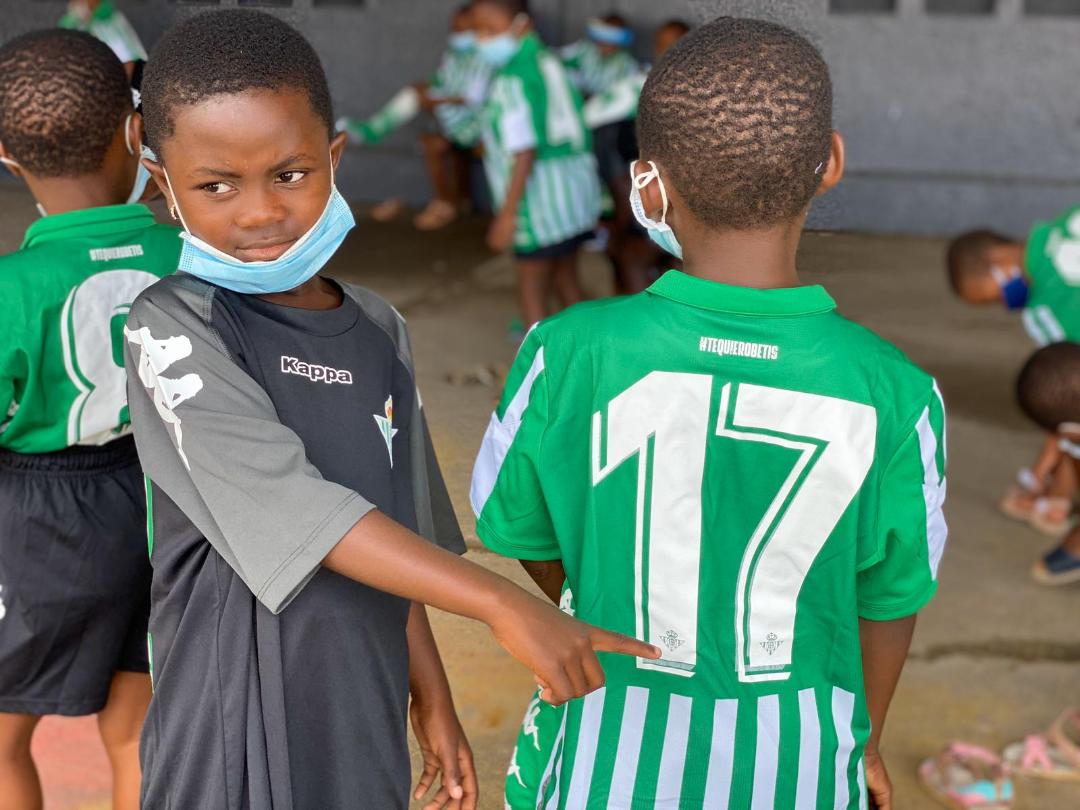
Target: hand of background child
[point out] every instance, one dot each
(444, 749)
(500, 236)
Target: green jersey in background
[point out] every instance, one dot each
(1052, 262)
(532, 106)
(736, 476)
(66, 293)
(592, 72)
(111, 27)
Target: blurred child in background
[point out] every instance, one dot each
(538, 158)
(1041, 279)
(74, 572)
(103, 20)
(453, 95)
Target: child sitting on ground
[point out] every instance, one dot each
(291, 471)
(454, 95)
(74, 575)
(1041, 278)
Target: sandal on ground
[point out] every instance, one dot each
(438, 214)
(1058, 567)
(966, 777)
(1053, 755)
(388, 210)
(1018, 504)
(1052, 516)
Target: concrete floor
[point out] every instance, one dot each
(995, 656)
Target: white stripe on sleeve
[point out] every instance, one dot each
(934, 486)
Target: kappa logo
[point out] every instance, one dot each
(315, 372)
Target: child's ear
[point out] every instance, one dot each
(834, 167)
(134, 134)
(157, 172)
(651, 198)
(9, 162)
(337, 148)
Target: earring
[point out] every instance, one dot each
(172, 211)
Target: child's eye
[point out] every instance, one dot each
(216, 188)
(292, 176)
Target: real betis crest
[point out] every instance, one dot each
(386, 426)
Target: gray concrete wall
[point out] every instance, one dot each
(951, 121)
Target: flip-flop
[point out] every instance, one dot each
(967, 777)
(438, 214)
(388, 210)
(1053, 755)
(1058, 567)
(1052, 515)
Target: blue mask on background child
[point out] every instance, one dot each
(306, 257)
(659, 232)
(142, 174)
(461, 41)
(604, 33)
(498, 50)
(1014, 287)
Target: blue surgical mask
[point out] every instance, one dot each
(659, 232)
(461, 41)
(142, 174)
(498, 50)
(1014, 287)
(292, 268)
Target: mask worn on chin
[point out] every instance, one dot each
(1014, 287)
(306, 257)
(659, 232)
(142, 174)
(498, 50)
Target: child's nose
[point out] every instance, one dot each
(263, 207)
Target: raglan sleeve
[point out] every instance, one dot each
(900, 576)
(208, 435)
(517, 123)
(512, 515)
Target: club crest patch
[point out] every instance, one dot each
(385, 423)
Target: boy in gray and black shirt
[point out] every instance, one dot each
(290, 470)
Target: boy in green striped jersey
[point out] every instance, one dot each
(74, 572)
(454, 96)
(722, 465)
(538, 157)
(1041, 279)
(103, 20)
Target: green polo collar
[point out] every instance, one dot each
(698, 292)
(101, 221)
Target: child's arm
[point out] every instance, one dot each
(559, 650)
(884, 650)
(501, 234)
(435, 722)
(1045, 464)
(549, 576)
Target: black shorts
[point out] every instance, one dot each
(615, 146)
(74, 577)
(558, 250)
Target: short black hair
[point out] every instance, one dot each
(1048, 386)
(615, 19)
(739, 116)
(63, 95)
(227, 52)
(967, 256)
(513, 7)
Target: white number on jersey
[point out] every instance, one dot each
(564, 125)
(87, 334)
(663, 420)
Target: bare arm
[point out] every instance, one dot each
(548, 575)
(557, 649)
(519, 176)
(885, 647)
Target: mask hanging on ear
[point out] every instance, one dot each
(1014, 287)
(659, 232)
(142, 174)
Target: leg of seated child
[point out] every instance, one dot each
(120, 724)
(534, 287)
(21, 786)
(442, 210)
(565, 280)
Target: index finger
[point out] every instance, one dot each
(607, 641)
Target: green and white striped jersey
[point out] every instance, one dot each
(532, 105)
(736, 476)
(466, 76)
(618, 103)
(1052, 263)
(591, 71)
(111, 27)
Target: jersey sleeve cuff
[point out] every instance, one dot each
(897, 609)
(295, 572)
(495, 542)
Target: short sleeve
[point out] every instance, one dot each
(208, 435)
(901, 577)
(517, 128)
(512, 514)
